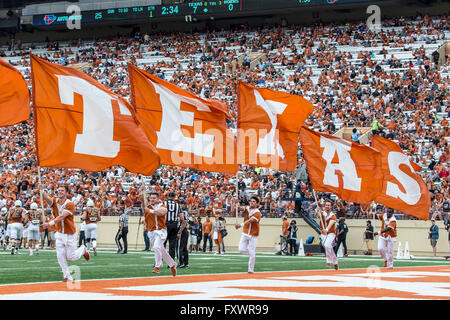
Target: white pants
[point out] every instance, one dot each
(151, 238)
(66, 249)
(160, 252)
(327, 242)
(386, 249)
(33, 233)
(90, 231)
(16, 230)
(8, 231)
(247, 245)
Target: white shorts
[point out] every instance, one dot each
(25, 233)
(8, 231)
(193, 239)
(33, 233)
(16, 230)
(90, 231)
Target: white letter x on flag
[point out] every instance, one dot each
(269, 144)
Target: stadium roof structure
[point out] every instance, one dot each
(85, 5)
(17, 4)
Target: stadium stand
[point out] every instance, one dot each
(352, 75)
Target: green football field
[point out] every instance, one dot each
(107, 264)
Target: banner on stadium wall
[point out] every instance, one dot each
(14, 96)
(403, 189)
(268, 127)
(350, 170)
(187, 131)
(80, 124)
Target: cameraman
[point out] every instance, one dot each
(292, 238)
(368, 237)
(193, 232)
(342, 230)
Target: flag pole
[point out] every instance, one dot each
(40, 187)
(317, 205)
(144, 205)
(321, 218)
(34, 111)
(237, 197)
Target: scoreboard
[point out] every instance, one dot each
(193, 9)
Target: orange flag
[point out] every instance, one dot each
(403, 189)
(80, 124)
(187, 131)
(268, 126)
(350, 170)
(14, 96)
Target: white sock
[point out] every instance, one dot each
(94, 244)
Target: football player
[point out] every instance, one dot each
(16, 217)
(91, 216)
(3, 223)
(35, 218)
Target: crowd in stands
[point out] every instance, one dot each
(385, 80)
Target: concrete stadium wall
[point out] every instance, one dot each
(413, 231)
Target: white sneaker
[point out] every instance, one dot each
(31, 253)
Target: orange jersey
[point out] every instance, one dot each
(252, 228)
(285, 228)
(380, 217)
(92, 215)
(15, 215)
(385, 222)
(153, 221)
(35, 217)
(207, 227)
(325, 220)
(50, 228)
(67, 226)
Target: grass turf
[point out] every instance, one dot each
(107, 264)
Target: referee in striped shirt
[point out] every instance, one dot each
(173, 218)
(123, 228)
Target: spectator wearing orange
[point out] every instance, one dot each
(207, 230)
